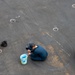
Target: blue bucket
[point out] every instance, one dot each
(23, 58)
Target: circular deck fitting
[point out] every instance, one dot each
(73, 5)
(12, 20)
(55, 29)
(0, 50)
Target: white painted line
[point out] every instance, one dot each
(63, 49)
(22, 12)
(58, 42)
(66, 52)
(48, 34)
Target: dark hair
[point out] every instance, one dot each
(3, 44)
(30, 46)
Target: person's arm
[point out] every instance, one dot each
(29, 52)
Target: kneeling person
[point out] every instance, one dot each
(36, 52)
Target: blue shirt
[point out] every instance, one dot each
(39, 53)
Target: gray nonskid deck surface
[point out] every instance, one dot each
(35, 21)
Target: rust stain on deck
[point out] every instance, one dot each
(50, 49)
(56, 62)
(67, 74)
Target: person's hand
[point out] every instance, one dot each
(29, 53)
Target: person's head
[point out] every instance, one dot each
(30, 46)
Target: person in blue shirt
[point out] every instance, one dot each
(36, 52)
